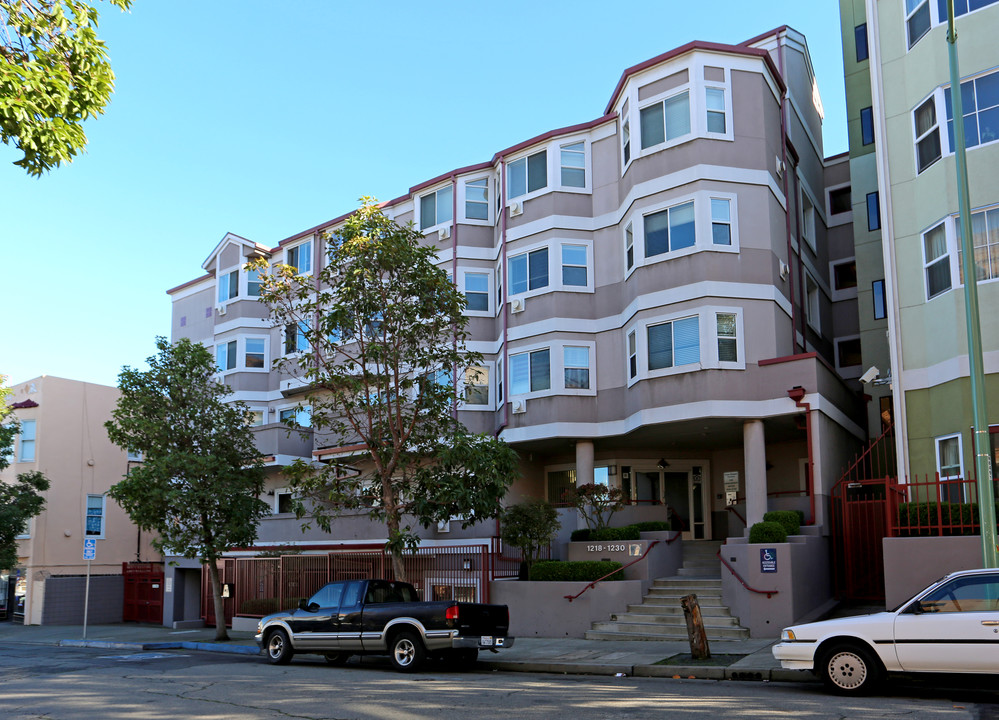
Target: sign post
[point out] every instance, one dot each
(89, 553)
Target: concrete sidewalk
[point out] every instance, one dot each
(748, 659)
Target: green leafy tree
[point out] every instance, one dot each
(20, 500)
(530, 526)
(596, 503)
(200, 480)
(386, 333)
(54, 74)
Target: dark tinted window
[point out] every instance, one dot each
(328, 596)
(860, 37)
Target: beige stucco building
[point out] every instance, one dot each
(63, 436)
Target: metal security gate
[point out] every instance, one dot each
(860, 523)
(143, 592)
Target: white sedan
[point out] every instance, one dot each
(950, 627)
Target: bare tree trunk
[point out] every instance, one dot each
(695, 628)
(213, 573)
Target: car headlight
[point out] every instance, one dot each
(260, 626)
(788, 634)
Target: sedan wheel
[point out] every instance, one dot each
(850, 670)
(408, 653)
(279, 650)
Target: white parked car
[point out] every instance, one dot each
(950, 627)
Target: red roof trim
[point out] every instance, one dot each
(776, 31)
(788, 358)
(24, 404)
(206, 276)
(607, 117)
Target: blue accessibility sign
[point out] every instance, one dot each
(90, 548)
(768, 560)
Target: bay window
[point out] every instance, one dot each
(527, 174)
(435, 207)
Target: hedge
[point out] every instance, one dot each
(767, 532)
(580, 535)
(653, 526)
(790, 520)
(921, 518)
(581, 570)
(628, 532)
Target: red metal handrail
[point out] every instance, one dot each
(738, 577)
(570, 598)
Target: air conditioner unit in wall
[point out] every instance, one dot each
(516, 208)
(518, 406)
(221, 309)
(445, 232)
(444, 526)
(784, 269)
(779, 166)
(517, 305)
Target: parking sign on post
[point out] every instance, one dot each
(90, 549)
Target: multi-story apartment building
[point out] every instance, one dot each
(905, 190)
(665, 298)
(63, 436)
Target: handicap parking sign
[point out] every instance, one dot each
(768, 560)
(90, 548)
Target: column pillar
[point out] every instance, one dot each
(584, 462)
(755, 458)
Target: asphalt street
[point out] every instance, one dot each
(74, 683)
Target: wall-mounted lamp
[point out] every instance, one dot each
(662, 464)
(270, 493)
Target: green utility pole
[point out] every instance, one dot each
(983, 464)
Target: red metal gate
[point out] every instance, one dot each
(860, 524)
(143, 592)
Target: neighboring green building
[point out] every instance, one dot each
(905, 206)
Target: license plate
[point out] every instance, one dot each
(486, 640)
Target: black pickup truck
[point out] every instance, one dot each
(380, 617)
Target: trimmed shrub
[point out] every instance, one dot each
(767, 532)
(921, 518)
(628, 532)
(580, 535)
(790, 520)
(653, 526)
(574, 571)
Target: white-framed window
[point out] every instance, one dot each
(26, 441)
(255, 417)
(255, 353)
(530, 372)
(228, 283)
(626, 141)
(980, 105)
(629, 247)
(253, 283)
(984, 242)
(528, 271)
(94, 516)
(572, 161)
(436, 207)
(721, 221)
(574, 264)
(300, 257)
(669, 230)
(576, 367)
(299, 416)
(477, 199)
(844, 279)
(133, 456)
(807, 219)
(812, 304)
(950, 466)
(665, 120)
(927, 134)
(527, 175)
(917, 20)
(225, 356)
(674, 343)
(283, 498)
(632, 355)
(476, 289)
(936, 261)
(727, 333)
(475, 388)
(295, 340)
(709, 338)
(848, 356)
(499, 380)
(714, 102)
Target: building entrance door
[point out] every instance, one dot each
(682, 492)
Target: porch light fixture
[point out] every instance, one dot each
(662, 464)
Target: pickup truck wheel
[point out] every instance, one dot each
(279, 650)
(849, 669)
(336, 658)
(407, 652)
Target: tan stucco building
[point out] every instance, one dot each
(63, 436)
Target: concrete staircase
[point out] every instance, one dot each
(660, 616)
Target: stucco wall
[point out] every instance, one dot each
(540, 609)
(64, 600)
(913, 563)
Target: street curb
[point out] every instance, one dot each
(556, 667)
(206, 647)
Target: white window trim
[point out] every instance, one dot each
(702, 102)
(960, 453)
(810, 238)
(278, 492)
(240, 284)
(104, 516)
(312, 252)
(587, 165)
(549, 187)
(490, 311)
(692, 88)
(556, 369)
(491, 403)
(304, 409)
(703, 241)
(814, 320)
(842, 218)
(846, 293)
(953, 253)
(242, 347)
(846, 371)
(707, 328)
(418, 208)
(935, 20)
(490, 205)
(937, 97)
(554, 246)
(33, 441)
(262, 409)
(236, 366)
(284, 339)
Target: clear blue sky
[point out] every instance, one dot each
(265, 118)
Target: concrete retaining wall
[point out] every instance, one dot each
(913, 563)
(64, 599)
(539, 609)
